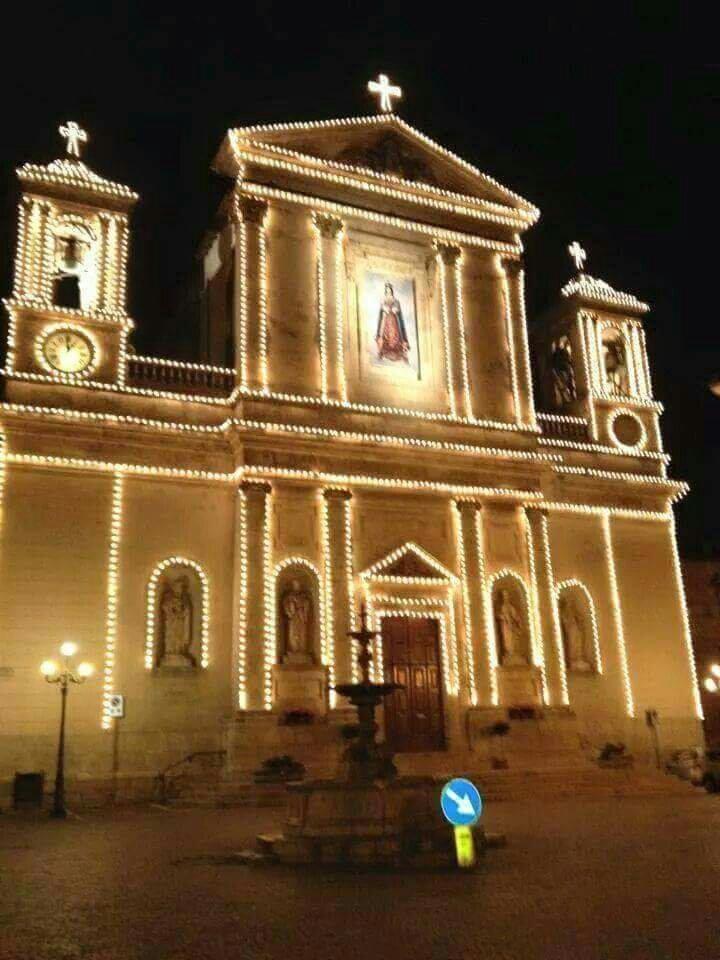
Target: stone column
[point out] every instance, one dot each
(549, 626)
(517, 333)
(454, 329)
(337, 551)
(472, 552)
(250, 320)
(332, 345)
(251, 561)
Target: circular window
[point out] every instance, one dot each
(627, 430)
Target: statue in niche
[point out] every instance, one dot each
(176, 624)
(616, 370)
(574, 631)
(563, 373)
(297, 611)
(510, 630)
(391, 337)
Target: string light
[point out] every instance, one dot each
(509, 333)
(598, 291)
(449, 373)
(327, 615)
(534, 611)
(685, 620)
(621, 412)
(323, 597)
(339, 313)
(350, 580)
(240, 133)
(113, 580)
(322, 322)
(467, 615)
(242, 602)
(152, 607)
(270, 646)
(586, 370)
(555, 619)
(409, 548)
(66, 376)
(425, 193)
(482, 588)
(261, 192)
(617, 613)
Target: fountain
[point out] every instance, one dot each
(368, 814)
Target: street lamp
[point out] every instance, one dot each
(64, 675)
(712, 681)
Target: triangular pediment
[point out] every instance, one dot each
(410, 562)
(383, 147)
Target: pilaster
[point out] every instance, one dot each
(549, 636)
(472, 562)
(450, 259)
(518, 342)
(338, 580)
(330, 305)
(251, 307)
(252, 564)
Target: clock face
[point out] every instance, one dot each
(67, 351)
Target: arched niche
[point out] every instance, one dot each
(177, 618)
(616, 361)
(298, 613)
(511, 618)
(75, 263)
(578, 628)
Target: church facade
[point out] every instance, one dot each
(372, 430)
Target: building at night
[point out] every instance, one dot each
(360, 428)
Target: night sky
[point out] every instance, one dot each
(589, 116)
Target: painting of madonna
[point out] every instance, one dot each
(390, 321)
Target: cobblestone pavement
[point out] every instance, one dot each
(625, 878)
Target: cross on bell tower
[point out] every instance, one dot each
(74, 135)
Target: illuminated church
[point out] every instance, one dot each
(371, 425)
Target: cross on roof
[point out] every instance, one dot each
(385, 91)
(74, 135)
(578, 255)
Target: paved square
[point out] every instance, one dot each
(606, 878)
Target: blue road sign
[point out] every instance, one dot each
(461, 802)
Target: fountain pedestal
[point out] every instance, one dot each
(368, 814)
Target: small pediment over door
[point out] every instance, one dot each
(410, 562)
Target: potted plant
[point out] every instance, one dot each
(279, 770)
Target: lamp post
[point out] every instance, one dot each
(64, 675)
(712, 681)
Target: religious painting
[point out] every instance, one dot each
(389, 322)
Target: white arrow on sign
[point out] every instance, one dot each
(464, 803)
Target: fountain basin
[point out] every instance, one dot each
(380, 822)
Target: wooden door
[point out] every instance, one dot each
(411, 654)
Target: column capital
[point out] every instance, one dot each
(512, 265)
(335, 494)
(468, 505)
(449, 252)
(328, 225)
(256, 487)
(251, 209)
(536, 511)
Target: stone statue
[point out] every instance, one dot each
(616, 371)
(574, 633)
(563, 374)
(510, 630)
(297, 609)
(176, 624)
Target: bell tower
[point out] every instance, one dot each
(592, 363)
(68, 310)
